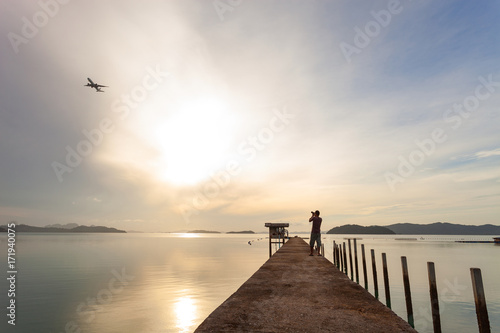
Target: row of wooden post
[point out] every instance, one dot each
(340, 260)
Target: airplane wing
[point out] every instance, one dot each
(100, 86)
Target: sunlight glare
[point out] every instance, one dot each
(185, 311)
(194, 141)
(189, 235)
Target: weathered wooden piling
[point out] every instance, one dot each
(341, 258)
(406, 283)
(374, 269)
(345, 259)
(386, 281)
(365, 273)
(337, 255)
(277, 298)
(480, 300)
(356, 260)
(436, 318)
(350, 260)
(334, 253)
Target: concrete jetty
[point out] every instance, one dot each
(295, 292)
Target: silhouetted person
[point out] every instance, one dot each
(315, 231)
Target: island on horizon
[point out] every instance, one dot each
(241, 232)
(358, 229)
(64, 229)
(436, 228)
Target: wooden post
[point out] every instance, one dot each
(386, 281)
(334, 253)
(322, 247)
(374, 269)
(406, 283)
(270, 243)
(339, 255)
(350, 259)
(345, 260)
(481, 311)
(341, 258)
(365, 274)
(356, 260)
(436, 319)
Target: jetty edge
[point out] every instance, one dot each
(295, 292)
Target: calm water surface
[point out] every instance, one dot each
(172, 282)
(125, 282)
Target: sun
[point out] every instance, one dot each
(194, 141)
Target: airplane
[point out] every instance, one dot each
(96, 86)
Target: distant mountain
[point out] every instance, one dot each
(443, 228)
(357, 229)
(241, 232)
(62, 226)
(29, 228)
(81, 228)
(84, 228)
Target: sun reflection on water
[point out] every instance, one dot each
(186, 313)
(188, 235)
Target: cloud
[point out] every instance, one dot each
(490, 153)
(478, 155)
(352, 121)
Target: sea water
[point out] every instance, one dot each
(172, 282)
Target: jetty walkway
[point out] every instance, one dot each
(295, 292)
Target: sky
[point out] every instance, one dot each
(227, 114)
